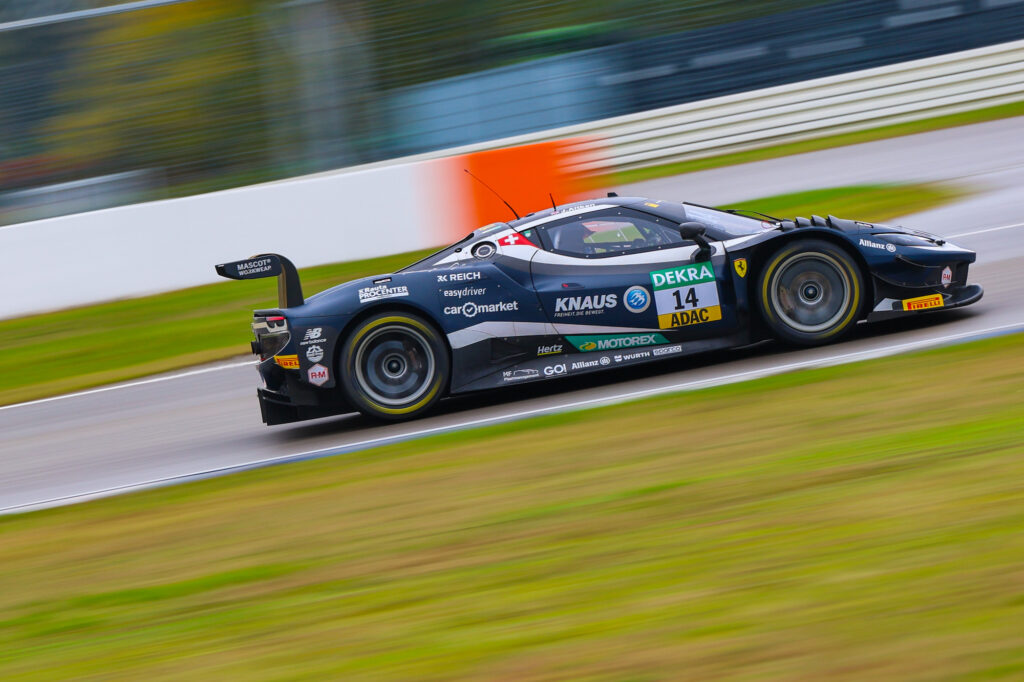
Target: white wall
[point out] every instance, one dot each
(146, 248)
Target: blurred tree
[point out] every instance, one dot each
(174, 87)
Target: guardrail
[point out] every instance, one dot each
(858, 100)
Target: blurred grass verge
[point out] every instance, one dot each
(73, 349)
(841, 140)
(845, 523)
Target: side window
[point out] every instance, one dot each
(609, 234)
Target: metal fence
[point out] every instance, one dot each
(126, 101)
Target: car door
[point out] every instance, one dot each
(614, 277)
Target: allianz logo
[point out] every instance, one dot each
(877, 245)
(584, 364)
(570, 304)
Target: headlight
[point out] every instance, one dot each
(903, 239)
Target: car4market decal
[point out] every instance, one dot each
(686, 295)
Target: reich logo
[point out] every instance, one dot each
(317, 375)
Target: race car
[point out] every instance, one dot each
(580, 288)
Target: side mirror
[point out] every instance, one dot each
(692, 230)
(695, 232)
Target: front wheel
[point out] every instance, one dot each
(394, 366)
(810, 292)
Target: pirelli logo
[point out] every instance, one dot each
(287, 361)
(923, 302)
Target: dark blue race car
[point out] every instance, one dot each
(580, 288)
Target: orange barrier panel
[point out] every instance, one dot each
(523, 176)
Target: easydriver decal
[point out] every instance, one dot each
(686, 295)
(588, 343)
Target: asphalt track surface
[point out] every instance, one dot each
(204, 422)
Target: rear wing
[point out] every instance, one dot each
(289, 290)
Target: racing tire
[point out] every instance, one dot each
(394, 366)
(810, 292)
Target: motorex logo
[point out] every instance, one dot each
(636, 299)
(587, 344)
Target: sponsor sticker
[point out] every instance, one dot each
(923, 302)
(686, 295)
(637, 355)
(590, 343)
(585, 364)
(947, 276)
(741, 266)
(465, 291)
(667, 350)
(555, 370)
(287, 361)
(315, 353)
(553, 349)
(516, 239)
(468, 276)
(605, 361)
(313, 333)
(318, 375)
(472, 309)
(520, 374)
(566, 306)
(877, 245)
(380, 291)
(636, 299)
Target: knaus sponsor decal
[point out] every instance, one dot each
(460, 276)
(615, 341)
(382, 291)
(585, 305)
(877, 245)
(471, 309)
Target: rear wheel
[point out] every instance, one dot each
(810, 292)
(394, 366)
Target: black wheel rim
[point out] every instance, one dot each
(811, 292)
(394, 365)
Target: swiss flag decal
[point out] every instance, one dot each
(516, 239)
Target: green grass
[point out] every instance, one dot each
(850, 523)
(74, 349)
(828, 142)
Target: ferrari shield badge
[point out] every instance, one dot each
(741, 266)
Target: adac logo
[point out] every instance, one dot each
(741, 266)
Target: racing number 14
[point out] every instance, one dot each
(691, 298)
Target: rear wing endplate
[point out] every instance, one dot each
(289, 290)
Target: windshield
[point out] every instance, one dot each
(730, 223)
